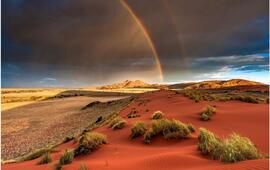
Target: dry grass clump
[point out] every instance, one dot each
(89, 142)
(157, 115)
(233, 149)
(169, 129)
(138, 129)
(67, 158)
(117, 123)
(207, 113)
(45, 159)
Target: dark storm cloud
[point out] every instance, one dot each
(97, 41)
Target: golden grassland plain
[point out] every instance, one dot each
(15, 97)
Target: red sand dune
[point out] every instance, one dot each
(249, 120)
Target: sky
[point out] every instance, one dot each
(67, 43)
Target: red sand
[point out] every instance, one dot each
(249, 120)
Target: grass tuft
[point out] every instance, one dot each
(157, 115)
(233, 149)
(138, 129)
(169, 129)
(89, 142)
(207, 113)
(45, 159)
(67, 158)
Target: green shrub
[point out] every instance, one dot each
(169, 129)
(209, 144)
(119, 125)
(83, 167)
(68, 138)
(89, 142)
(67, 158)
(138, 129)
(233, 149)
(191, 128)
(45, 159)
(157, 115)
(238, 148)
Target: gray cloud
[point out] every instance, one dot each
(97, 41)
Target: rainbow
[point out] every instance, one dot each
(146, 34)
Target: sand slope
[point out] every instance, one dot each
(250, 120)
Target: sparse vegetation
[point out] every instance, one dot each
(226, 95)
(89, 142)
(133, 114)
(233, 149)
(45, 159)
(138, 129)
(67, 158)
(157, 115)
(207, 113)
(169, 129)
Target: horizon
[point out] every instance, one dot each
(91, 43)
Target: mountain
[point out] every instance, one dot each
(222, 84)
(127, 84)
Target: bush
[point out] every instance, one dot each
(157, 115)
(233, 149)
(83, 167)
(169, 129)
(238, 148)
(207, 113)
(89, 142)
(191, 128)
(209, 144)
(138, 129)
(209, 110)
(67, 158)
(119, 125)
(45, 159)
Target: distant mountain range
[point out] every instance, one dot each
(193, 85)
